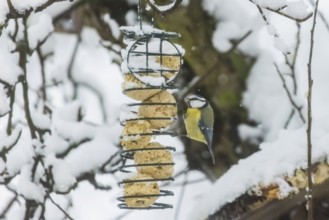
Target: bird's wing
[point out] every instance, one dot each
(208, 134)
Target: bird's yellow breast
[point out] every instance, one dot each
(192, 118)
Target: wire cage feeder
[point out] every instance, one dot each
(152, 63)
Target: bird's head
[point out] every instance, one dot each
(196, 101)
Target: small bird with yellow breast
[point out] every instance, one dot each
(199, 121)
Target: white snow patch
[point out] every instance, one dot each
(113, 25)
(62, 174)
(93, 154)
(268, 166)
(40, 120)
(39, 27)
(27, 188)
(298, 9)
(4, 104)
(271, 4)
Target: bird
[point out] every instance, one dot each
(199, 121)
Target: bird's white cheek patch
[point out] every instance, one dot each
(196, 103)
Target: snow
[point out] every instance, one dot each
(70, 111)
(298, 9)
(271, 4)
(281, 45)
(272, 30)
(22, 5)
(4, 104)
(4, 10)
(249, 133)
(226, 31)
(284, 151)
(146, 30)
(62, 174)
(93, 154)
(268, 166)
(7, 141)
(17, 213)
(131, 18)
(2, 165)
(52, 211)
(234, 19)
(40, 120)
(21, 154)
(9, 72)
(113, 25)
(54, 143)
(29, 190)
(74, 132)
(94, 68)
(39, 27)
(265, 99)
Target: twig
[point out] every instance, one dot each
(8, 206)
(191, 182)
(71, 147)
(6, 149)
(43, 77)
(21, 14)
(292, 113)
(309, 198)
(58, 206)
(11, 107)
(70, 66)
(181, 196)
(197, 80)
(291, 17)
(7, 85)
(324, 20)
(236, 43)
(292, 66)
(110, 161)
(279, 12)
(289, 94)
(99, 96)
(22, 49)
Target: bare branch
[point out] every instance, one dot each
(43, 77)
(71, 147)
(9, 205)
(309, 197)
(24, 14)
(22, 50)
(181, 196)
(70, 66)
(324, 20)
(12, 93)
(297, 108)
(58, 206)
(279, 12)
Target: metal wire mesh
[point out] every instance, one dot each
(147, 61)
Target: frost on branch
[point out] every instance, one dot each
(50, 140)
(282, 173)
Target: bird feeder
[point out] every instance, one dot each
(151, 63)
